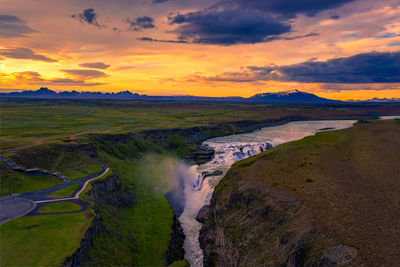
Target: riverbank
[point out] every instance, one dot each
(326, 199)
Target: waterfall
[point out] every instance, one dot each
(198, 187)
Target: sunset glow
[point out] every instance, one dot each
(169, 48)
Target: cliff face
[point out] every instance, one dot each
(320, 201)
(257, 227)
(196, 135)
(175, 250)
(103, 191)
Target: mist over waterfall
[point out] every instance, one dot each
(197, 182)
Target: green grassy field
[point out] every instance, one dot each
(18, 182)
(33, 122)
(42, 240)
(60, 207)
(64, 192)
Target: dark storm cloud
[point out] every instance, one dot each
(159, 1)
(12, 26)
(95, 65)
(227, 27)
(140, 23)
(24, 53)
(371, 67)
(89, 74)
(245, 21)
(88, 16)
(335, 17)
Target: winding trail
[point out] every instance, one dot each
(77, 194)
(17, 205)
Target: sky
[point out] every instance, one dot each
(338, 49)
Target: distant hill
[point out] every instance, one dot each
(293, 96)
(377, 100)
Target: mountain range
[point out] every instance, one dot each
(292, 96)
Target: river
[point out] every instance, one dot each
(229, 149)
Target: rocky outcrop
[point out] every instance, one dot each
(107, 191)
(209, 174)
(202, 154)
(338, 256)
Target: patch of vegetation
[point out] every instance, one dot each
(65, 192)
(178, 144)
(60, 207)
(18, 182)
(309, 180)
(44, 240)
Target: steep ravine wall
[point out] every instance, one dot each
(108, 187)
(175, 250)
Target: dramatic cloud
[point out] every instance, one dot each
(12, 26)
(88, 16)
(140, 23)
(228, 27)
(87, 74)
(95, 65)
(287, 8)
(245, 21)
(358, 69)
(159, 1)
(24, 53)
(35, 78)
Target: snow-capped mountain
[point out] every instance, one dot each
(291, 96)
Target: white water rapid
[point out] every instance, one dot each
(229, 149)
